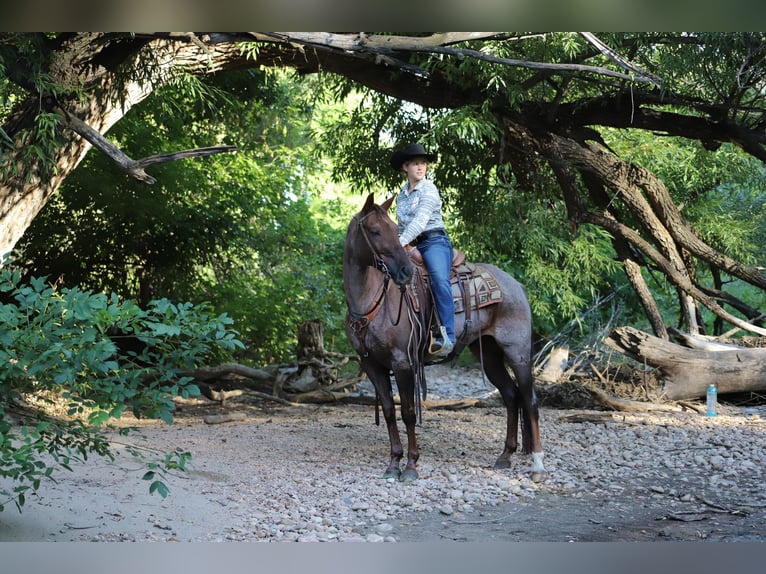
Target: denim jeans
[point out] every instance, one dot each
(437, 257)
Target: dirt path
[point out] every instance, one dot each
(629, 517)
(285, 474)
(312, 474)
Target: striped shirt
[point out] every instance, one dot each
(418, 210)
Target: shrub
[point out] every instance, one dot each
(97, 356)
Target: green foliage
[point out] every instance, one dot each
(237, 230)
(32, 452)
(564, 270)
(721, 192)
(173, 461)
(23, 71)
(92, 356)
(711, 66)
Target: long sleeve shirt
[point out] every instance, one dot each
(417, 210)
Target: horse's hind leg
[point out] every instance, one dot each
(381, 379)
(530, 417)
(517, 395)
(494, 367)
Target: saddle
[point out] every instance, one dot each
(472, 289)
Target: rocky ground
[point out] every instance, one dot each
(312, 473)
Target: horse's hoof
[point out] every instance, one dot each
(502, 463)
(409, 475)
(539, 475)
(392, 473)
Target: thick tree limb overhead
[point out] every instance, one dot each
(440, 44)
(640, 74)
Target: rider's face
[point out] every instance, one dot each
(415, 168)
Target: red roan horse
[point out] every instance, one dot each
(388, 336)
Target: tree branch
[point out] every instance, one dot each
(134, 168)
(632, 110)
(681, 281)
(619, 60)
(437, 44)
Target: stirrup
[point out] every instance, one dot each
(440, 350)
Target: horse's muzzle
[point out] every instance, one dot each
(403, 275)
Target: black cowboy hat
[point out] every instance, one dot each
(412, 150)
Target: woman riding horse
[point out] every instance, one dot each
(388, 336)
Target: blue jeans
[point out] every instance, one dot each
(437, 257)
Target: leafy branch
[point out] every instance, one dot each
(95, 355)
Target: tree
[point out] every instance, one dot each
(236, 230)
(538, 104)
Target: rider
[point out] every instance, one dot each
(419, 216)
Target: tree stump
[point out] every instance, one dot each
(310, 340)
(555, 365)
(313, 370)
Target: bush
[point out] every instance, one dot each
(97, 356)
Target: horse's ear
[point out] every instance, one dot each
(369, 204)
(386, 205)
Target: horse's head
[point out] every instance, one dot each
(373, 238)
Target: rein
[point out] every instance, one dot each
(359, 321)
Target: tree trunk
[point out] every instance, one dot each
(687, 372)
(317, 368)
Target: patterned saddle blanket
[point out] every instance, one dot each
(472, 288)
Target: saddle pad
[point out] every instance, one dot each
(483, 290)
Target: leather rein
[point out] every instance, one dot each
(360, 321)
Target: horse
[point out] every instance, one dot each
(389, 338)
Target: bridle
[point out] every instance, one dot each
(380, 264)
(359, 321)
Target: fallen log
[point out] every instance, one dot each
(226, 369)
(624, 405)
(700, 342)
(686, 372)
(324, 396)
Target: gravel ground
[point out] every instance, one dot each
(313, 474)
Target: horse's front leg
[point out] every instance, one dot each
(381, 380)
(405, 382)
